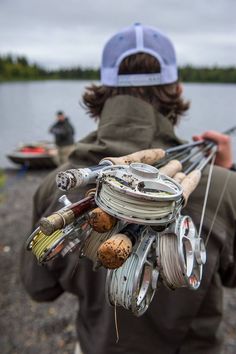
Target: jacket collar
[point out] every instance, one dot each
(127, 124)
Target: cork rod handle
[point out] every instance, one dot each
(189, 183)
(149, 156)
(171, 168)
(114, 252)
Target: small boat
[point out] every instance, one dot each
(35, 155)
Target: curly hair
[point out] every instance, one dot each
(166, 99)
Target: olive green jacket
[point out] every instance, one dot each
(180, 321)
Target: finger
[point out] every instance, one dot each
(197, 138)
(215, 136)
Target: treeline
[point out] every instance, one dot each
(18, 68)
(206, 74)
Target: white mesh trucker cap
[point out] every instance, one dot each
(138, 39)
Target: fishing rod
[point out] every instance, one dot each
(75, 178)
(185, 163)
(229, 131)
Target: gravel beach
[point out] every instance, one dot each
(27, 327)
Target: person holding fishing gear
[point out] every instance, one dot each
(138, 105)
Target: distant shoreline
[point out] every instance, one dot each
(14, 69)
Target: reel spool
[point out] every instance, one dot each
(139, 194)
(181, 254)
(94, 240)
(133, 284)
(63, 241)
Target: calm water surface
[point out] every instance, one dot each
(27, 109)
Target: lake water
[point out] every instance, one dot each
(27, 109)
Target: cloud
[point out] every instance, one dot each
(73, 32)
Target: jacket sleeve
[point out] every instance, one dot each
(39, 282)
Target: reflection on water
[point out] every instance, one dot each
(27, 109)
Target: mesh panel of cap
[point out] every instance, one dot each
(137, 39)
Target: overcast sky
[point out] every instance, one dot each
(63, 33)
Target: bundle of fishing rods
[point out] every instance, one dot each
(131, 223)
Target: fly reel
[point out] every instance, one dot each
(134, 283)
(63, 241)
(181, 254)
(139, 194)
